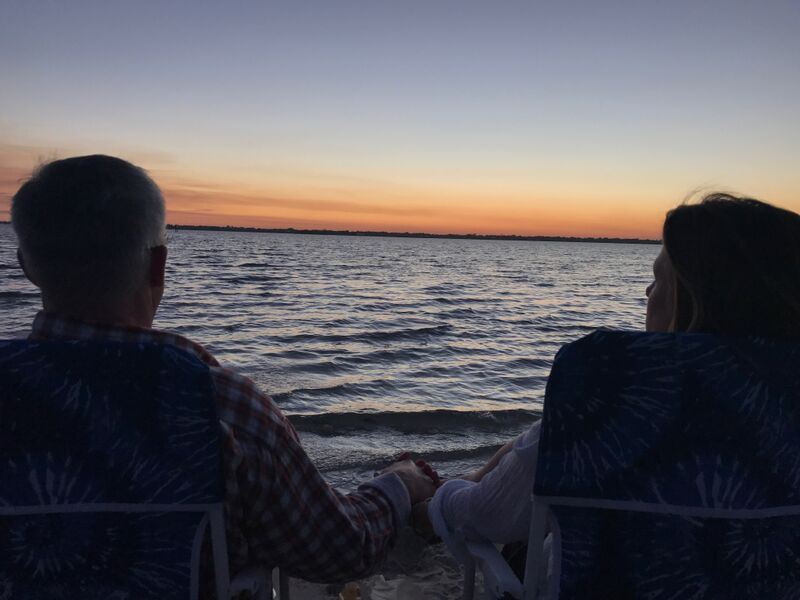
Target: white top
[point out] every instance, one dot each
(496, 509)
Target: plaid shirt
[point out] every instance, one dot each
(279, 510)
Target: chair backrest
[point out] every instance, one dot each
(671, 466)
(110, 470)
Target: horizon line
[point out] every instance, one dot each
(415, 234)
(409, 234)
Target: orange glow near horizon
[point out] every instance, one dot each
(475, 217)
(376, 207)
(317, 203)
(342, 203)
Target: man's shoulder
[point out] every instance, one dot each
(245, 408)
(240, 403)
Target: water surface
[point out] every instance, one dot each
(374, 345)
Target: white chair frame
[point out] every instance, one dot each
(499, 578)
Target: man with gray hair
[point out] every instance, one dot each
(91, 237)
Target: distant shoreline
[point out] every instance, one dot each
(409, 234)
(450, 236)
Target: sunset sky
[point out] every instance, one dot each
(506, 116)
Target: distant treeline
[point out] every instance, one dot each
(408, 234)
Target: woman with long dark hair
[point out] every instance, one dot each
(728, 266)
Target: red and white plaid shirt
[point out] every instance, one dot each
(279, 510)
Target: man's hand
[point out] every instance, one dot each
(419, 485)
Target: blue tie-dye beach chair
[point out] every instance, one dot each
(110, 473)
(669, 468)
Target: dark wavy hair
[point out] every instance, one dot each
(737, 267)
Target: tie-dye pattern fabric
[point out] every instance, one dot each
(101, 426)
(702, 432)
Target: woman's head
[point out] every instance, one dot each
(730, 266)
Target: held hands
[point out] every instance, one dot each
(419, 483)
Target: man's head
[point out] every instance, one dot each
(91, 236)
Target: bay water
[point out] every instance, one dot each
(377, 345)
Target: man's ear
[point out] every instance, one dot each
(158, 263)
(25, 269)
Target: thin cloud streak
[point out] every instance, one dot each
(214, 199)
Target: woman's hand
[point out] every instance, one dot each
(474, 476)
(478, 474)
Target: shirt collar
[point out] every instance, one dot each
(49, 326)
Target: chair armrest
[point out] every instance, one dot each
(256, 582)
(498, 578)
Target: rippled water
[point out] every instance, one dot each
(375, 345)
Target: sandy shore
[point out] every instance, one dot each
(414, 570)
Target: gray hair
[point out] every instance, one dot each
(85, 225)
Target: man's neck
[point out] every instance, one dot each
(102, 314)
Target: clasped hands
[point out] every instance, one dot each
(421, 482)
(418, 476)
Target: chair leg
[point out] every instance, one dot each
(283, 585)
(469, 581)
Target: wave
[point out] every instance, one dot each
(296, 354)
(457, 313)
(256, 265)
(441, 288)
(324, 367)
(426, 421)
(438, 458)
(341, 390)
(251, 279)
(369, 336)
(15, 295)
(399, 356)
(527, 363)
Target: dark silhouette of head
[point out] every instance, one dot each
(736, 267)
(91, 236)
